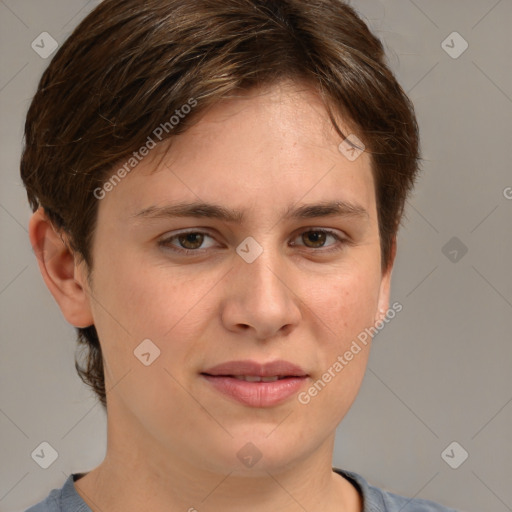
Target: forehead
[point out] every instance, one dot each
(269, 119)
(261, 148)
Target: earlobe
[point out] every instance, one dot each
(60, 271)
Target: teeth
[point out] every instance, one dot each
(254, 378)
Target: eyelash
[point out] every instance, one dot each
(166, 243)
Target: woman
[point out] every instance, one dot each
(217, 187)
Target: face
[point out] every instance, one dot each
(274, 281)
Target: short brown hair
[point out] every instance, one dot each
(130, 65)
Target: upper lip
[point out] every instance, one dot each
(278, 368)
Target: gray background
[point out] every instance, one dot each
(439, 372)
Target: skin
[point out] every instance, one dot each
(172, 438)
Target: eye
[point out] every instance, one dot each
(316, 239)
(189, 242)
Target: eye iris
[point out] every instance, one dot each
(317, 237)
(196, 239)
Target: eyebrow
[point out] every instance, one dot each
(214, 211)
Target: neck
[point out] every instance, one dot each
(117, 487)
(138, 473)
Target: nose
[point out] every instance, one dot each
(260, 300)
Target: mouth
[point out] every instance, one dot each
(254, 378)
(256, 384)
(249, 369)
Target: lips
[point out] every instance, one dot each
(256, 384)
(249, 368)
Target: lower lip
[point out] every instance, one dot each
(257, 394)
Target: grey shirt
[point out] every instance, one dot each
(67, 499)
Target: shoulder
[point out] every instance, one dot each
(49, 504)
(65, 499)
(379, 500)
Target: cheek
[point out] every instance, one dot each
(135, 306)
(136, 301)
(344, 310)
(347, 302)
(133, 294)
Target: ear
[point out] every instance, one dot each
(385, 285)
(64, 277)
